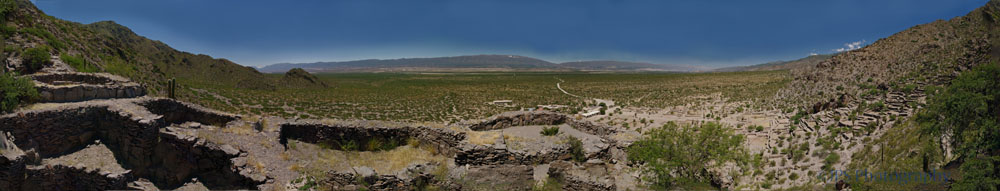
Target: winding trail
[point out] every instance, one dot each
(559, 86)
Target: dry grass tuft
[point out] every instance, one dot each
(482, 137)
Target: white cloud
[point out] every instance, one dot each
(851, 46)
(813, 54)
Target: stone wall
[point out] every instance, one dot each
(175, 112)
(12, 171)
(446, 141)
(139, 139)
(602, 131)
(488, 155)
(519, 119)
(178, 157)
(60, 177)
(53, 132)
(335, 136)
(350, 181)
(564, 171)
(73, 86)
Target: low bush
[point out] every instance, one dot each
(78, 63)
(550, 131)
(16, 91)
(35, 58)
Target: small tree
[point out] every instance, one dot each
(576, 149)
(676, 156)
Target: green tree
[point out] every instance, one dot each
(576, 149)
(969, 110)
(677, 156)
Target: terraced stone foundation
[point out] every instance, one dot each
(336, 136)
(74, 86)
(519, 119)
(141, 133)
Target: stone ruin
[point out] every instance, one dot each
(482, 163)
(143, 135)
(76, 86)
(105, 134)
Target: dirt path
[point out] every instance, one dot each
(559, 86)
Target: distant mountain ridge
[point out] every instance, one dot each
(470, 63)
(607, 65)
(780, 65)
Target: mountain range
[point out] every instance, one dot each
(806, 62)
(472, 63)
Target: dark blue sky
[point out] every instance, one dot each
(710, 33)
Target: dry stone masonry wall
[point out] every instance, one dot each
(141, 139)
(74, 86)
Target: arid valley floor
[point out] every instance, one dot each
(97, 107)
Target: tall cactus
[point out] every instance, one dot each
(171, 88)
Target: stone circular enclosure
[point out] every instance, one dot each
(75, 86)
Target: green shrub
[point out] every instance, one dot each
(978, 174)
(679, 156)
(117, 66)
(36, 58)
(909, 88)
(7, 30)
(78, 63)
(576, 149)
(16, 91)
(830, 160)
(550, 131)
(878, 106)
(42, 33)
(798, 116)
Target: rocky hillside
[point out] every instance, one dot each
(780, 65)
(859, 105)
(297, 77)
(926, 54)
(109, 47)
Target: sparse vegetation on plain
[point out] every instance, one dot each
(452, 97)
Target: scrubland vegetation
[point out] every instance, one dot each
(452, 97)
(963, 114)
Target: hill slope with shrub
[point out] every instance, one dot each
(32, 40)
